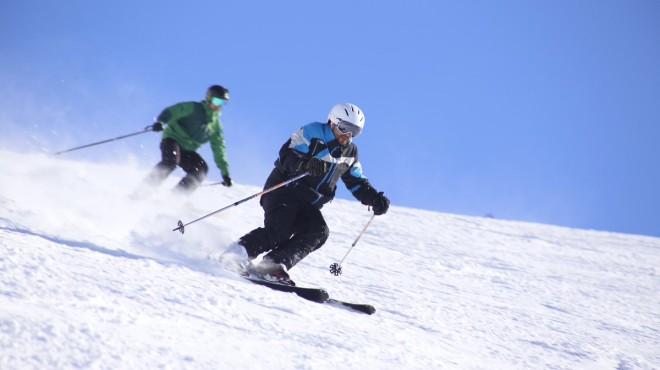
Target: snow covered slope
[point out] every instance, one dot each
(92, 279)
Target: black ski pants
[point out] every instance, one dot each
(171, 156)
(292, 229)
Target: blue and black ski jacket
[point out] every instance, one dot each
(317, 139)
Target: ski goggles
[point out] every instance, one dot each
(218, 102)
(348, 128)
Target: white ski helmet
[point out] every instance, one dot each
(348, 117)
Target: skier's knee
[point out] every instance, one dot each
(199, 172)
(203, 169)
(317, 239)
(256, 242)
(324, 233)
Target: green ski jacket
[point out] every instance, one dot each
(192, 124)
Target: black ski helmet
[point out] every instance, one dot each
(217, 91)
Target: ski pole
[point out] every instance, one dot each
(146, 129)
(335, 268)
(181, 225)
(212, 184)
(314, 145)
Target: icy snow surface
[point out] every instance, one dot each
(91, 279)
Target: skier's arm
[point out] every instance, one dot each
(295, 157)
(175, 112)
(290, 161)
(297, 151)
(362, 190)
(175, 117)
(358, 184)
(218, 147)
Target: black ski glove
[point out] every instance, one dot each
(380, 204)
(316, 167)
(226, 180)
(157, 126)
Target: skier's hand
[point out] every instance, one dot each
(157, 126)
(226, 180)
(316, 167)
(380, 204)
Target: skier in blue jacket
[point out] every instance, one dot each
(293, 223)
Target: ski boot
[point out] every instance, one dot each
(270, 271)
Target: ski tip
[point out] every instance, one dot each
(363, 308)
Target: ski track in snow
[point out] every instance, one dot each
(91, 279)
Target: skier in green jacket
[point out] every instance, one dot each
(188, 126)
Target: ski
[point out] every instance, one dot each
(360, 307)
(317, 295)
(311, 294)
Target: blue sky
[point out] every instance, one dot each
(536, 111)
